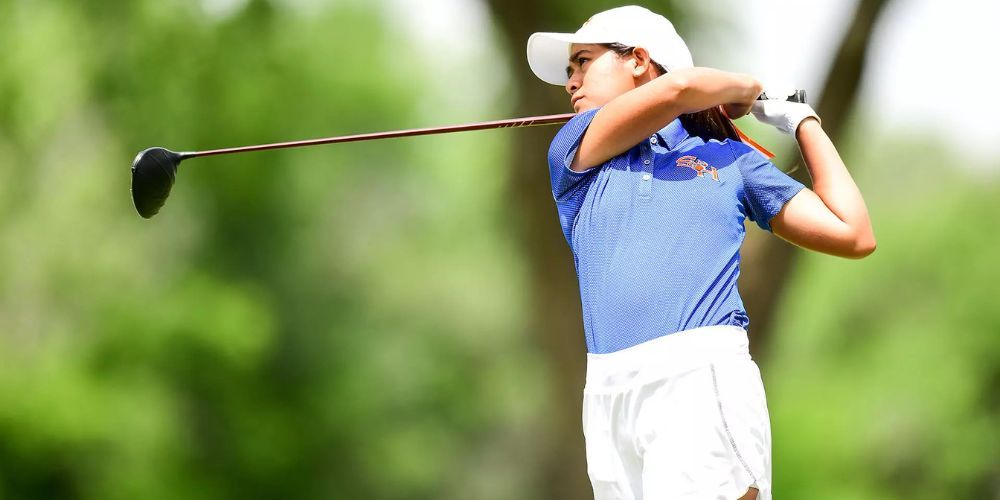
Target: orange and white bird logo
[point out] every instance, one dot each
(698, 166)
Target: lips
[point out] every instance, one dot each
(575, 100)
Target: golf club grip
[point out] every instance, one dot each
(797, 96)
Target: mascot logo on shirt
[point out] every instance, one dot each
(698, 166)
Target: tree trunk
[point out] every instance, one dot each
(556, 318)
(768, 260)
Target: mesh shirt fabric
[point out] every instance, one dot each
(656, 231)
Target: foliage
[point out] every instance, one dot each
(884, 378)
(353, 321)
(291, 324)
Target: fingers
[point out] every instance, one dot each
(783, 115)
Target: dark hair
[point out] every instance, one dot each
(706, 124)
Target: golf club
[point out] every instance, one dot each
(155, 169)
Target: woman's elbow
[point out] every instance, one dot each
(862, 247)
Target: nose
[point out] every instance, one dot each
(572, 85)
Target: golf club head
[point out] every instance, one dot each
(153, 173)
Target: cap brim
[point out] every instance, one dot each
(548, 55)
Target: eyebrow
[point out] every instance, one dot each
(573, 58)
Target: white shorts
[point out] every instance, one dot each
(678, 417)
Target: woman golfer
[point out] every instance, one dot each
(652, 188)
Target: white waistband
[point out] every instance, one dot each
(666, 356)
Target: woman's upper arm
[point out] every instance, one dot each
(807, 222)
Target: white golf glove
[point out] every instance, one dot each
(783, 115)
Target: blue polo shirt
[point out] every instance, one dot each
(656, 231)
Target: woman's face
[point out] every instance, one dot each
(597, 75)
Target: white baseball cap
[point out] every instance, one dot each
(548, 53)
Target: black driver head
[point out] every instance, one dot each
(153, 173)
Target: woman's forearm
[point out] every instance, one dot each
(703, 88)
(832, 182)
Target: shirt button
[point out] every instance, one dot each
(645, 162)
(653, 139)
(646, 177)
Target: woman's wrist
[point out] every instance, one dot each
(754, 89)
(748, 89)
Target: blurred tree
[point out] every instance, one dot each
(555, 313)
(883, 383)
(293, 325)
(768, 262)
(326, 324)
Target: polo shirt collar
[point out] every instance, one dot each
(673, 134)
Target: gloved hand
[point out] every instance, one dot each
(783, 115)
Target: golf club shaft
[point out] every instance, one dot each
(510, 123)
(530, 121)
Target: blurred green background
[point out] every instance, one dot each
(399, 319)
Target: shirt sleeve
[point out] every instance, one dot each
(566, 183)
(766, 189)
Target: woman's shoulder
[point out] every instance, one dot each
(725, 146)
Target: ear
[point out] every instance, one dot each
(641, 61)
